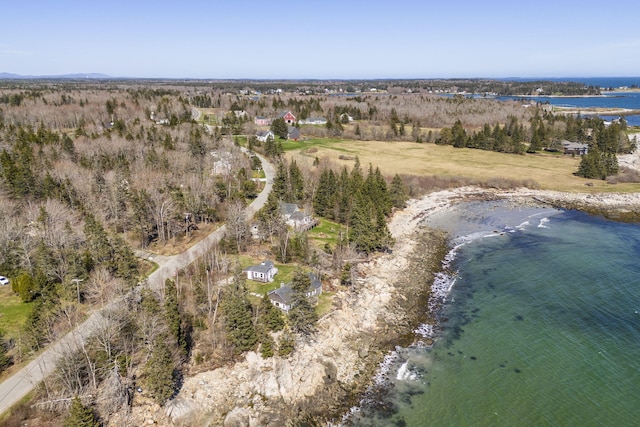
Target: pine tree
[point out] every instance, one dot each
(271, 317)
(398, 192)
(80, 416)
(279, 128)
(302, 314)
(592, 165)
(238, 314)
(266, 347)
(286, 345)
(296, 183)
(362, 232)
(281, 182)
(159, 372)
(5, 360)
(326, 193)
(172, 314)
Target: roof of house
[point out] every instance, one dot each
(293, 132)
(284, 113)
(263, 267)
(574, 145)
(288, 209)
(264, 133)
(298, 216)
(283, 293)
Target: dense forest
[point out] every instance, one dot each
(91, 172)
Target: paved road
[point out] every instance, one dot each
(22, 382)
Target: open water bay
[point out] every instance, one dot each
(540, 328)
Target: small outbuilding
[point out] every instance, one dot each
(263, 272)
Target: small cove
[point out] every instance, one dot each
(541, 327)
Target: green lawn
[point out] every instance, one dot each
(13, 312)
(285, 274)
(326, 232)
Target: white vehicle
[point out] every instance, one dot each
(4, 281)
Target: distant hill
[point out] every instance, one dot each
(8, 76)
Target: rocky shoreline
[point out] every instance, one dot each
(327, 373)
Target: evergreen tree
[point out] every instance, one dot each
(286, 345)
(344, 197)
(302, 314)
(271, 317)
(80, 416)
(281, 182)
(266, 346)
(5, 360)
(459, 135)
(296, 183)
(159, 372)
(172, 314)
(592, 165)
(325, 197)
(398, 192)
(362, 232)
(279, 128)
(383, 238)
(25, 286)
(239, 315)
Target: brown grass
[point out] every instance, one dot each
(548, 171)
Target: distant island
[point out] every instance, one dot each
(482, 86)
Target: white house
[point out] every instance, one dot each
(295, 218)
(264, 136)
(263, 272)
(313, 121)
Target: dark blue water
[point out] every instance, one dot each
(628, 100)
(541, 327)
(609, 99)
(601, 82)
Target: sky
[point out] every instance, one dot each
(329, 39)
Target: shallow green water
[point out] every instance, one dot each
(542, 327)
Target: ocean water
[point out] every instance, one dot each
(628, 100)
(611, 99)
(540, 327)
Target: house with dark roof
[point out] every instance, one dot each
(263, 272)
(575, 148)
(293, 133)
(281, 297)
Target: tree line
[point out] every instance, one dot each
(604, 140)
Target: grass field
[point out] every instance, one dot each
(325, 232)
(550, 171)
(13, 312)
